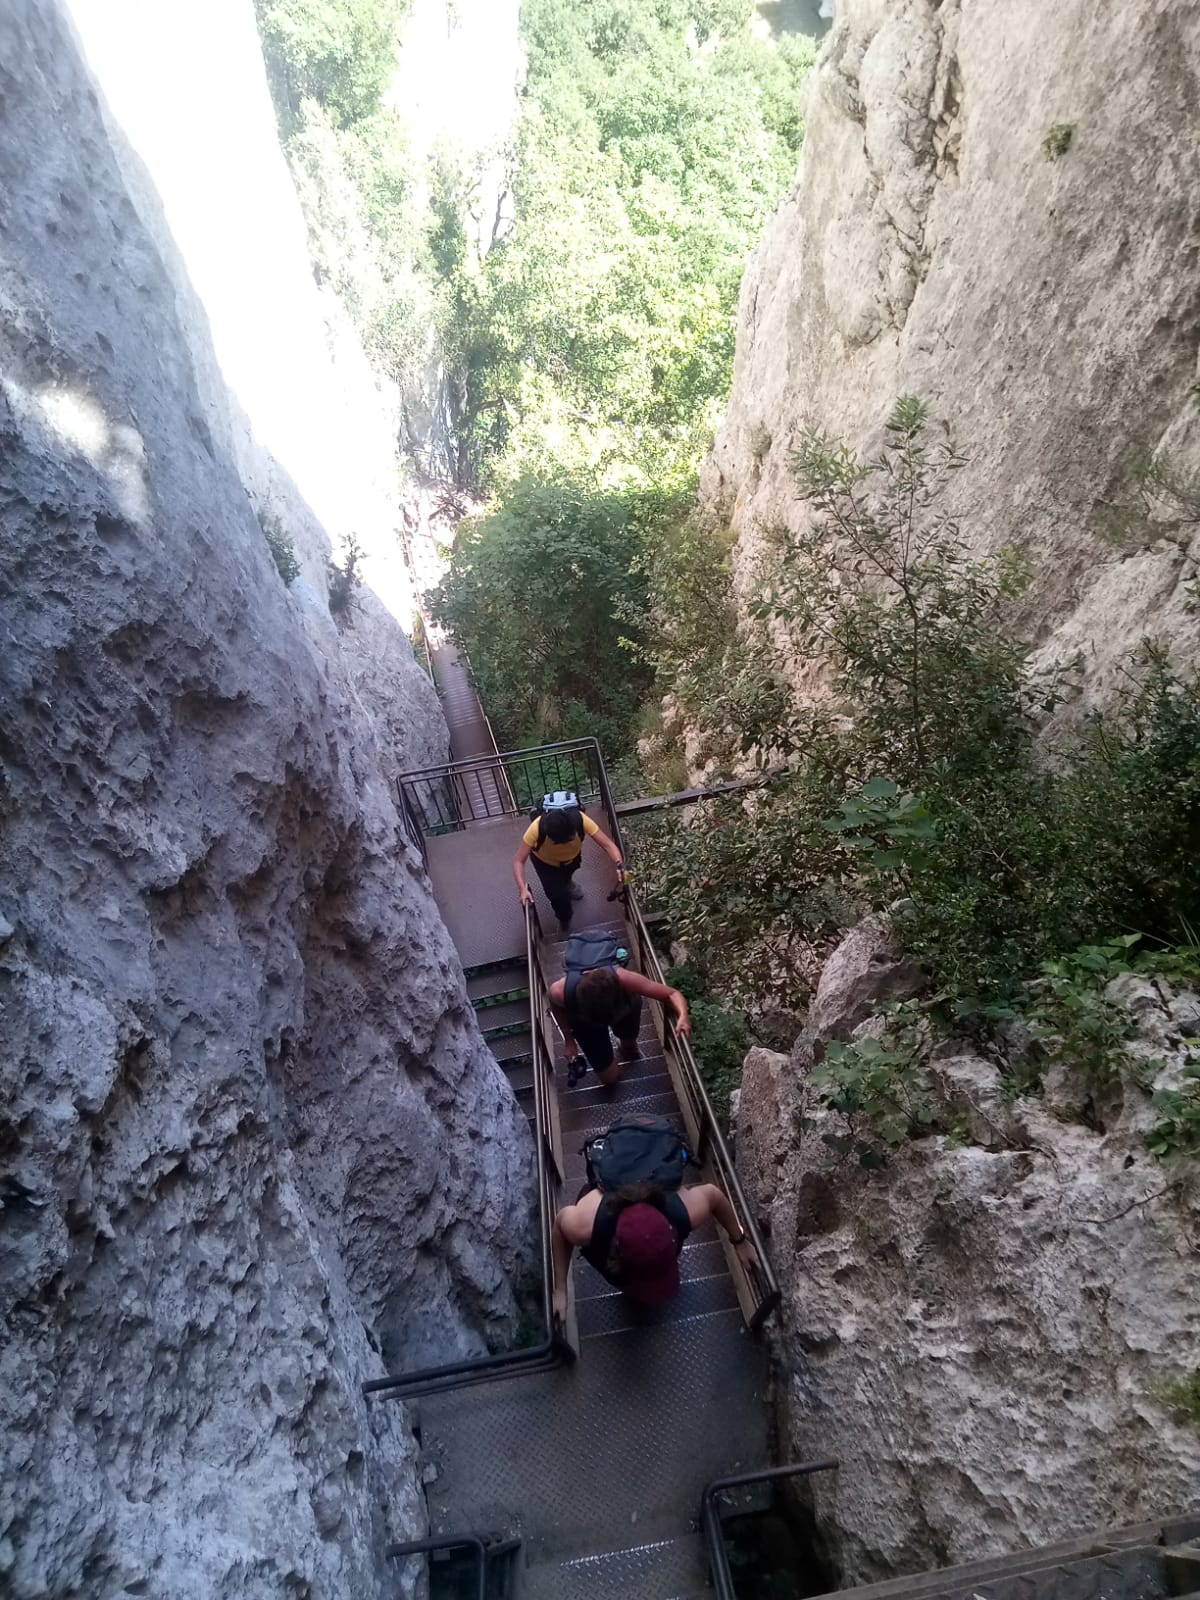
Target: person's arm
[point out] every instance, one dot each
(564, 1237)
(706, 1200)
(555, 994)
(658, 991)
(611, 851)
(524, 892)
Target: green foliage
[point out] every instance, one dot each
(721, 1036)
(1058, 140)
(1181, 1394)
(1177, 1130)
(599, 330)
(878, 1086)
(344, 579)
(283, 552)
(917, 779)
(533, 593)
(340, 53)
(1067, 1009)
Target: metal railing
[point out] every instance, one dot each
(558, 1343)
(757, 1287)
(446, 798)
(482, 1549)
(710, 1513)
(577, 764)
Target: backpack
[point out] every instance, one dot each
(559, 800)
(587, 951)
(637, 1150)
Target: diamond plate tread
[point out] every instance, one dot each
(592, 1119)
(611, 1101)
(602, 1315)
(657, 1571)
(703, 1258)
(648, 1066)
(509, 979)
(503, 1016)
(578, 1459)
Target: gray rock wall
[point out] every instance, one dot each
(980, 1331)
(1047, 310)
(252, 1147)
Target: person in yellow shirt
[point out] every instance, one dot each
(553, 841)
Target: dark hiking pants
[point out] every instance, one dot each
(556, 881)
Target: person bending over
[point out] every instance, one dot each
(587, 1005)
(634, 1235)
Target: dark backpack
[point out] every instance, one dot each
(587, 951)
(560, 800)
(637, 1150)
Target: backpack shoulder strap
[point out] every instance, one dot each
(676, 1214)
(598, 1249)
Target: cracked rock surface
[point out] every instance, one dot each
(1047, 310)
(253, 1149)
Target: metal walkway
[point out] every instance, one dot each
(597, 1465)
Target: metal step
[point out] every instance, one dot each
(660, 1570)
(592, 1119)
(612, 1313)
(519, 1074)
(612, 1100)
(512, 1012)
(512, 1046)
(621, 1442)
(497, 980)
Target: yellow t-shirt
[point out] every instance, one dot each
(557, 855)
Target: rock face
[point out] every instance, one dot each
(1044, 302)
(979, 1331)
(252, 1147)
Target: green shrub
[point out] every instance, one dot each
(344, 579)
(721, 1036)
(1058, 140)
(283, 552)
(1181, 1394)
(338, 52)
(878, 1086)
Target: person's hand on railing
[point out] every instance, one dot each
(747, 1255)
(526, 895)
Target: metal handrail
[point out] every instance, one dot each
(450, 1541)
(557, 1346)
(710, 1513)
(757, 1289)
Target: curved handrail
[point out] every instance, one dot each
(710, 1514)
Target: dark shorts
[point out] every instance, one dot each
(594, 1040)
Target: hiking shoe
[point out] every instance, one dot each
(576, 1070)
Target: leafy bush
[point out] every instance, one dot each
(283, 551)
(721, 1036)
(917, 777)
(344, 578)
(338, 52)
(533, 593)
(878, 1086)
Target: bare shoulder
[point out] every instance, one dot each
(699, 1201)
(578, 1220)
(557, 990)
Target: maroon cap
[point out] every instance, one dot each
(648, 1252)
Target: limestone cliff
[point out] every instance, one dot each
(996, 210)
(982, 1330)
(252, 1147)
